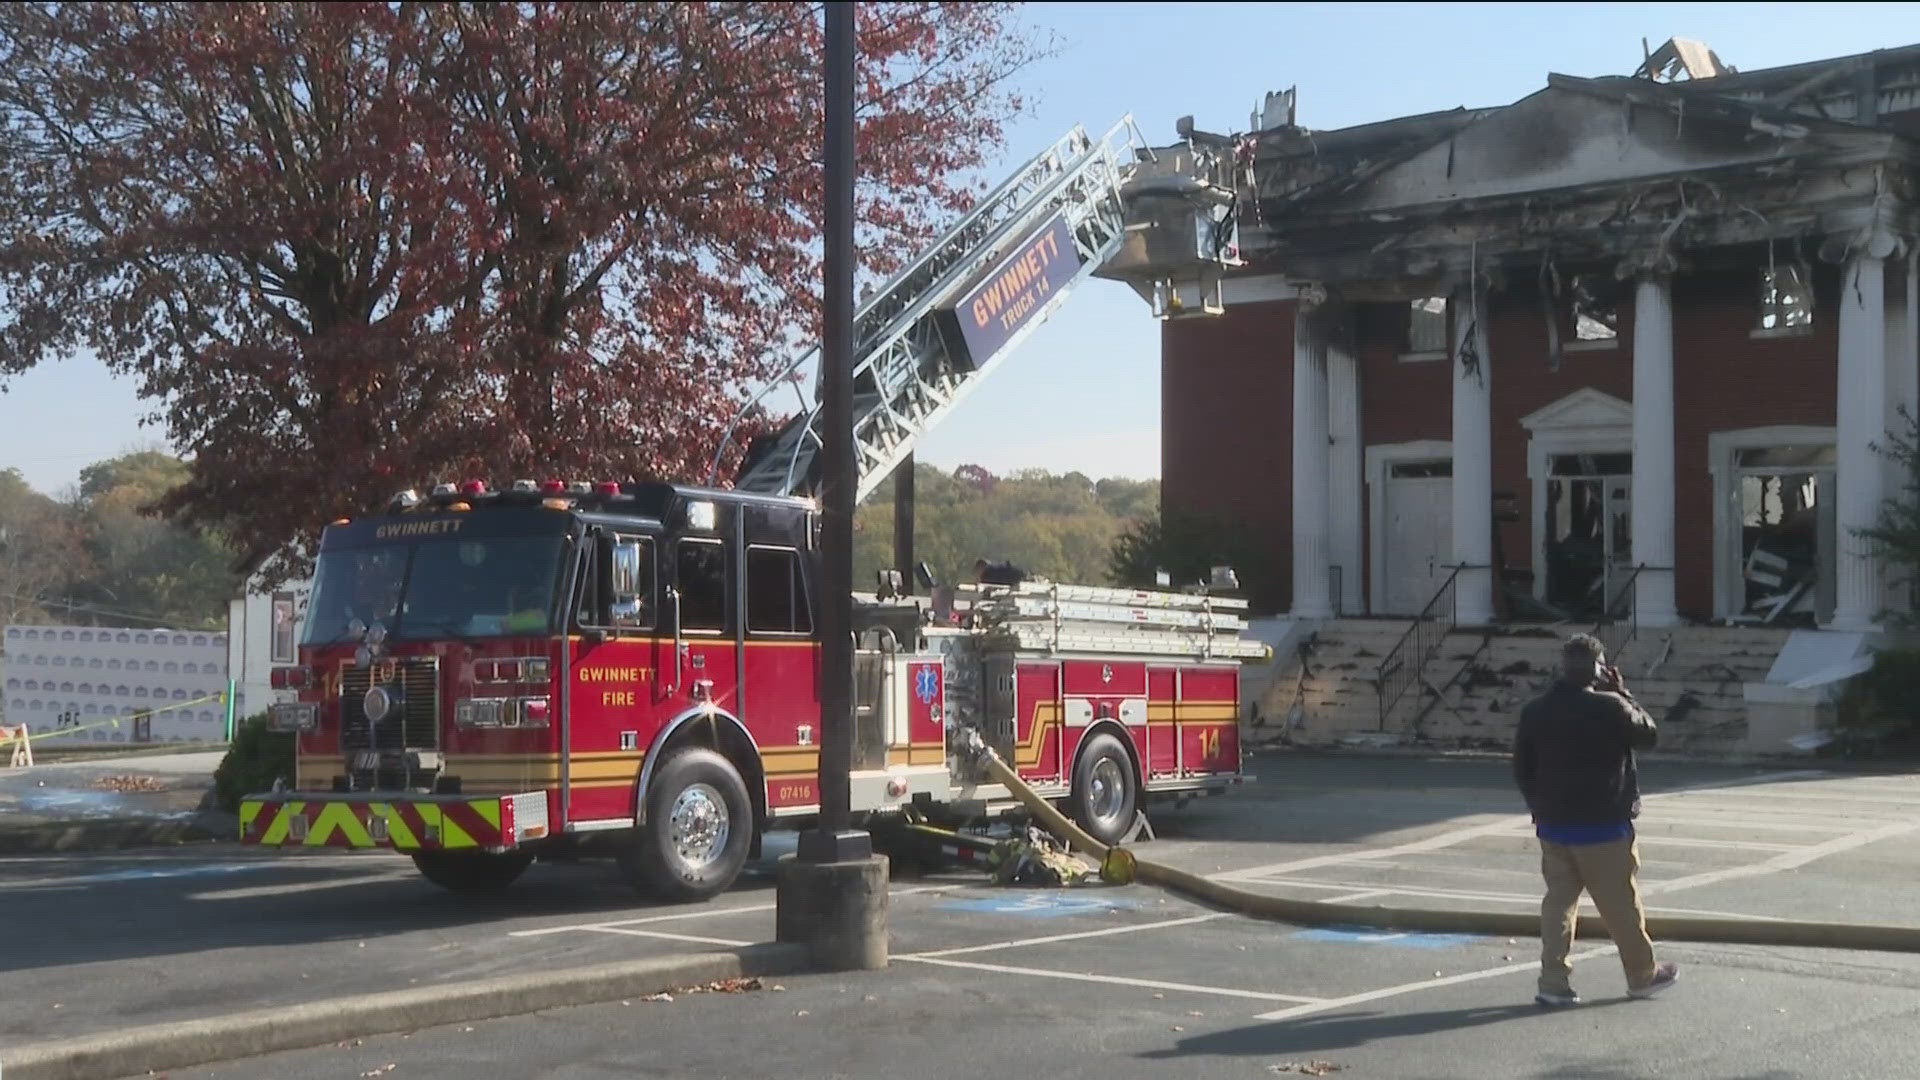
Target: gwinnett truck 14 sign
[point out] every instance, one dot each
(1017, 289)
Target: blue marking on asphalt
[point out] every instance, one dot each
(1405, 940)
(1041, 905)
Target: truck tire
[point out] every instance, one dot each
(698, 831)
(471, 871)
(1106, 792)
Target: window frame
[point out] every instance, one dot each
(1410, 355)
(801, 601)
(680, 592)
(1769, 305)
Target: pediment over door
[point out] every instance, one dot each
(1586, 409)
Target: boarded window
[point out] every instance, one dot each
(776, 593)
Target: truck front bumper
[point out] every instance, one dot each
(403, 822)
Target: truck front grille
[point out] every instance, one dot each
(413, 725)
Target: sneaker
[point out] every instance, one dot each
(1556, 1001)
(1663, 976)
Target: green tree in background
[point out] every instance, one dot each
(104, 555)
(41, 552)
(1059, 526)
(1187, 547)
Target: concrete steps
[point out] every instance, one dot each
(1472, 689)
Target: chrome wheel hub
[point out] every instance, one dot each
(1107, 790)
(697, 825)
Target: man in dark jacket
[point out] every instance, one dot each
(1574, 761)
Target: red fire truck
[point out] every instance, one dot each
(631, 670)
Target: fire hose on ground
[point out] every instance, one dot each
(1118, 864)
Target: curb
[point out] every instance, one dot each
(159, 1047)
(107, 834)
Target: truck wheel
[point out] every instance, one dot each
(471, 871)
(1105, 792)
(699, 828)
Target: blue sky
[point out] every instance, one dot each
(1084, 391)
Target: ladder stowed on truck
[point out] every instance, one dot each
(563, 668)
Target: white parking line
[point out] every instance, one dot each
(1792, 860)
(1052, 938)
(1495, 897)
(544, 931)
(1364, 894)
(1111, 980)
(1507, 824)
(256, 891)
(664, 936)
(1329, 1004)
(695, 913)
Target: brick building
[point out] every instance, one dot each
(1601, 328)
(1625, 346)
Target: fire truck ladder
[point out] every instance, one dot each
(907, 372)
(1093, 618)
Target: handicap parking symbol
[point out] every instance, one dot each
(1363, 936)
(1040, 905)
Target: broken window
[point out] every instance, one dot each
(1786, 297)
(1596, 310)
(1427, 325)
(1786, 526)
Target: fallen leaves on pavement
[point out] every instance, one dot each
(382, 1070)
(718, 986)
(129, 783)
(1306, 1068)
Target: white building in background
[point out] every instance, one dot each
(161, 685)
(263, 632)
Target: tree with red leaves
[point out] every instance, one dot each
(349, 247)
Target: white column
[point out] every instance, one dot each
(1653, 496)
(1472, 460)
(1903, 390)
(1312, 520)
(1347, 485)
(1862, 423)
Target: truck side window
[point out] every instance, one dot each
(776, 593)
(702, 568)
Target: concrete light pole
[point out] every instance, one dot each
(832, 895)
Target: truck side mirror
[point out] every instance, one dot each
(627, 585)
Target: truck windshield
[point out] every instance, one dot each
(437, 588)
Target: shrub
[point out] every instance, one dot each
(1885, 700)
(255, 759)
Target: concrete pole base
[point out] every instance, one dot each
(838, 910)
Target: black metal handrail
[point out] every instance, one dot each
(1401, 667)
(1609, 629)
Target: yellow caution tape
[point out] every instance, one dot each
(56, 733)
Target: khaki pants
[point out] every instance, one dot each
(1610, 874)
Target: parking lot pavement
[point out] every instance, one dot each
(1793, 844)
(140, 938)
(1119, 984)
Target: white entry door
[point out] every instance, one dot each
(1418, 534)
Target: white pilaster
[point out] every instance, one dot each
(1653, 456)
(1347, 487)
(1312, 519)
(1472, 460)
(1903, 391)
(1861, 423)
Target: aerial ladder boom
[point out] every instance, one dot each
(933, 332)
